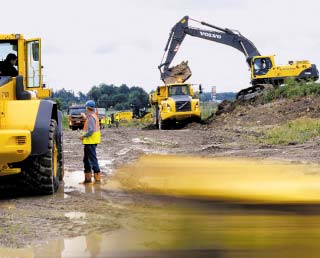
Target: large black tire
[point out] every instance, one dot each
(163, 125)
(156, 116)
(160, 122)
(40, 174)
(61, 159)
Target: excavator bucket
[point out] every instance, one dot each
(177, 74)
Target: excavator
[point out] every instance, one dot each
(264, 71)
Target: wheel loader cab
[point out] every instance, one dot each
(34, 79)
(8, 58)
(30, 126)
(28, 63)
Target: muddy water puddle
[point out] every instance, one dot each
(193, 233)
(173, 206)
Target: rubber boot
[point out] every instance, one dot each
(87, 178)
(97, 178)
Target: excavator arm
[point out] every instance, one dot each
(219, 35)
(262, 75)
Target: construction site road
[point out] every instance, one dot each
(78, 210)
(25, 220)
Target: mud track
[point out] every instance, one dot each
(78, 210)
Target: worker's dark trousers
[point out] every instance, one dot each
(90, 160)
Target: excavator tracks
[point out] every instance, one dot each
(252, 92)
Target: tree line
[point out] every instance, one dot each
(115, 97)
(106, 96)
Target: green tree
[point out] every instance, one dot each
(107, 89)
(104, 101)
(82, 97)
(94, 93)
(124, 89)
(119, 98)
(138, 97)
(59, 103)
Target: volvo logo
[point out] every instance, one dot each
(210, 35)
(183, 105)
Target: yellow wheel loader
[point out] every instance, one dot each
(31, 145)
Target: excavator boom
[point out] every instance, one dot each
(219, 35)
(264, 71)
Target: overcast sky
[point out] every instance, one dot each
(86, 43)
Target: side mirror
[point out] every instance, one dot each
(35, 51)
(200, 88)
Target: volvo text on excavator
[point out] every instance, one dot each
(264, 71)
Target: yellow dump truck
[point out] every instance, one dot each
(31, 146)
(173, 103)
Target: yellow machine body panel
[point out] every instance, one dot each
(273, 72)
(17, 121)
(159, 95)
(15, 146)
(43, 93)
(169, 110)
(8, 91)
(19, 114)
(123, 116)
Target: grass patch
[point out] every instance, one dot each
(293, 132)
(208, 109)
(65, 123)
(292, 89)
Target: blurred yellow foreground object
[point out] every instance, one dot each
(253, 181)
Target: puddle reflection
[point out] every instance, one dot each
(75, 215)
(200, 208)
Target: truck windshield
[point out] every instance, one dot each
(179, 90)
(77, 111)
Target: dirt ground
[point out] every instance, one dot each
(78, 210)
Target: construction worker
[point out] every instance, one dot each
(90, 139)
(7, 66)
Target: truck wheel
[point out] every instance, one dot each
(161, 125)
(41, 173)
(156, 116)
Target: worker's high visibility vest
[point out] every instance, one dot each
(94, 138)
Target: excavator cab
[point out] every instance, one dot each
(261, 65)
